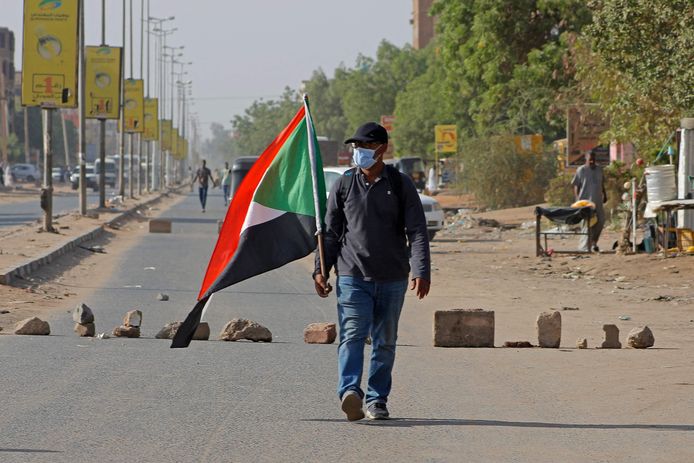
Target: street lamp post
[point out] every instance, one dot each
(161, 35)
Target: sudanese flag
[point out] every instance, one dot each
(273, 219)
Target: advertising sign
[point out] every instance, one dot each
(446, 138)
(49, 54)
(528, 144)
(151, 119)
(134, 105)
(166, 134)
(102, 82)
(585, 125)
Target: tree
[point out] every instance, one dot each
(261, 123)
(635, 61)
(326, 106)
(503, 61)
(425, 102)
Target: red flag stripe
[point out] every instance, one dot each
(228, 240)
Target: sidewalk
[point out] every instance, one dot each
(24, 249)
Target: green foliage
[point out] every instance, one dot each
(370, 89)
(560, 192)
(504, 61)
(326, 107)
(635, 61)
(261, 123)
(425, 102)
(500, 177)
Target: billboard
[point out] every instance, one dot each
(134, 105)
(151, 119)
(102, 82)
(529, 144)
(446, 138)
(585, 124)
(166, 133)
(49, 54)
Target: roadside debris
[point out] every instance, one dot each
(582, 343)
(131, 325)
(320, 333)
(33, 326)
(549, 329)
(162, 297)
(239, 328)
(641, 338)
(518, 344)
(611, 340)
(84, 321)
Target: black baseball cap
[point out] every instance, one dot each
(369, 132)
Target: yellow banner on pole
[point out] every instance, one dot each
(166, 133)
(134, 105)
(175, 144)
(151, 119)
(50, 53)
(446, 138)
(102, 82)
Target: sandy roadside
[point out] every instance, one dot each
(63, 283)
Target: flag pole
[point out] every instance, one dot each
(314, 177)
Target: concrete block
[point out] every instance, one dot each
(549, 329)
(464, 328)
(160, 226)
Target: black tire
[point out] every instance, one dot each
(74, 186)
(30, 179)
(432, 234)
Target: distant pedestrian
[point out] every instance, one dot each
(226, 183)
(203, 177)
(589, 184)
(375, 234)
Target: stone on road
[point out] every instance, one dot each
(33, 326)
(240, 328)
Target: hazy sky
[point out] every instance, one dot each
(243, 50)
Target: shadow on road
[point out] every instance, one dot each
(413, 422)
(29, 451)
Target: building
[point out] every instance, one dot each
(422, 23)
(6, 85)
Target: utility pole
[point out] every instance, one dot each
(131, 183)
(142, 76)
(148, 181)
(27, 150)
(47, 190)
(66, 145)
(102, 125)
(82, 106)
(121, 161)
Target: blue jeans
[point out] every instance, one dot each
(363, 308)
(203, 195)
(227, 189)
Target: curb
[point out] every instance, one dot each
(8, 275)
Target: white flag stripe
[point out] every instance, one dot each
(257, 214)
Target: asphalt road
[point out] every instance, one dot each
(69, 399)
(29, 210)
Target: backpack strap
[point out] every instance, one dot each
(394, 178)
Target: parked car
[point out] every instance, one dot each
(111, 171)
(412, 166)
(239, 169)
(25, 173)
(90, 177)
(432, 209)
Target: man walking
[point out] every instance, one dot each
(373, 213)
(589, 184)
(226, 182)
(203, 176)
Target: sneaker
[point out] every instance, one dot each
(351, 405)
(377, 411)
(596, 249)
